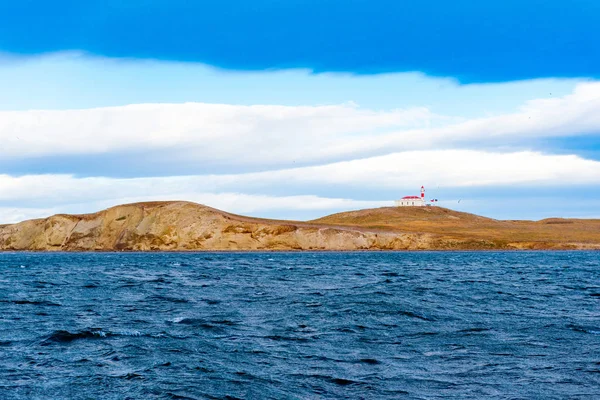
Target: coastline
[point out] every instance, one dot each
(189, 227)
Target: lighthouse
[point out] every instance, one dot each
(413, 201)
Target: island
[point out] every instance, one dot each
(186, 226)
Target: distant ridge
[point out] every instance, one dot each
(185, 226)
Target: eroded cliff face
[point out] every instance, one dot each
(189, 226)
(179, 226)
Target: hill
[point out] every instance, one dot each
(453, 227)
(183, 226)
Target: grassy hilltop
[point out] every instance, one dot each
(460, 228)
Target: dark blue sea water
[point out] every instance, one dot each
(300, 325)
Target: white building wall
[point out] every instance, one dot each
(410, 203)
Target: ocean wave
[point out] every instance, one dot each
(45, 303)
(415, 315)
(444, 332)
(166, 298)
(62, 336)
(584, 329)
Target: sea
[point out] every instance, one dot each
(323, 325)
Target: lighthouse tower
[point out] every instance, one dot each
(423, 194)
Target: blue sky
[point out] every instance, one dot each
(297, 109)
(473, 41)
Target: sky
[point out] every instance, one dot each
(301, 108)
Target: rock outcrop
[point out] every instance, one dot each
(180, 226)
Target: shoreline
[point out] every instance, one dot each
(205, 251)
(189, 227)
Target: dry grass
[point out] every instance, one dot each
(451, 224)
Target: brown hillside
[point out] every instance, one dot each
(188, 226)
(453, 225)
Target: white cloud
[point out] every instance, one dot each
(207, 131)
(454, 168)
(232, 202)
(399, 171)
(9, 215)
(576, 113)
(396, 141)
(276, 135)
(69, 80)
(248, 203)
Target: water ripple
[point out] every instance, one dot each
(300, 325)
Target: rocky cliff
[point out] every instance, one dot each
(190, 226)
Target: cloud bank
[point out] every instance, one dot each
(288, 160)
(272, 134)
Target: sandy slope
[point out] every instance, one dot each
(190, 226)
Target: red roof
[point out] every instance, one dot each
(410, 197)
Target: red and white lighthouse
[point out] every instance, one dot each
(412, 201)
